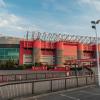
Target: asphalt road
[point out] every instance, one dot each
(91, 93)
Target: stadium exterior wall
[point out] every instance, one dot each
(54, 53)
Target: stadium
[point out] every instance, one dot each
(50, 49)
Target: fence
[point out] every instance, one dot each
(28, 88)
(31, 76)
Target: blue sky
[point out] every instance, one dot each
(54, 16)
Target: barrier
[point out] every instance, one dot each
(29, 88)
(31, 76)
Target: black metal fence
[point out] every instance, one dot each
(27, 88)
(31, 76)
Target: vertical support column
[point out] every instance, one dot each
(36, 51)
(80, 51)
(21, 53)
(95, 56)
(59, 54)
(99, 50)
(80, 55)
(94, 49)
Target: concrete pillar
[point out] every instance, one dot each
(80, 54)
(36, 51)
(59, 54)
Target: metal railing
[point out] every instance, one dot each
(27, 88)
(31, 76)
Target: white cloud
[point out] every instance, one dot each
(12, 21)
(93, 3)
(12, 24)
(2, 4)
(9, 20)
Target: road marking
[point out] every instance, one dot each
(62, 91)
(90, 93)
(73, 98)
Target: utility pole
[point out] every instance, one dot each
(97, 47)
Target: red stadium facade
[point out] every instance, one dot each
(56, 50)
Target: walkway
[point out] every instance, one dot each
(90, 93)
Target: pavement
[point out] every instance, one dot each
(89, 93)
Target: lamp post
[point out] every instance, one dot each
(97, 48)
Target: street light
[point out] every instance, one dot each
(97, 48)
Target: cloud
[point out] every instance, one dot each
(2, 4)
(9, 20)
(12, 21)
(92, 3)
(56, 17)
(55, 5)
(13, 24)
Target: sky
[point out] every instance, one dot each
(53, 16)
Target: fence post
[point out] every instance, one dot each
(94, 78)
(15, 78)
(45, 75)
(77, 80)
(52, 75)
(76, 75)
(86, 80)
(33, 87)
(51, 85)
(36, 75)
(26, 76)
(2, 78)
(65, 83)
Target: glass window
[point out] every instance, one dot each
(9, 53)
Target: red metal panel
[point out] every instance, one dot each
(26, 44)
(27, 51)
(61, 69)
(94, 47)
(80, 47)
(21, 44)
(37, 44)
(70, 50)
(70, 43)
(82, 60)
(47, 52)
(88, 47)
(21, 54)
(49, 45)
(59, 45)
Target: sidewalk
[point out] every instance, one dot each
(83, 93)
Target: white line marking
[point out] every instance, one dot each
(73, 98)
(90, 93)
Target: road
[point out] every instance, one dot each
(90, 93)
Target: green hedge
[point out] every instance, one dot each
(12, 65)
(78, 68)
